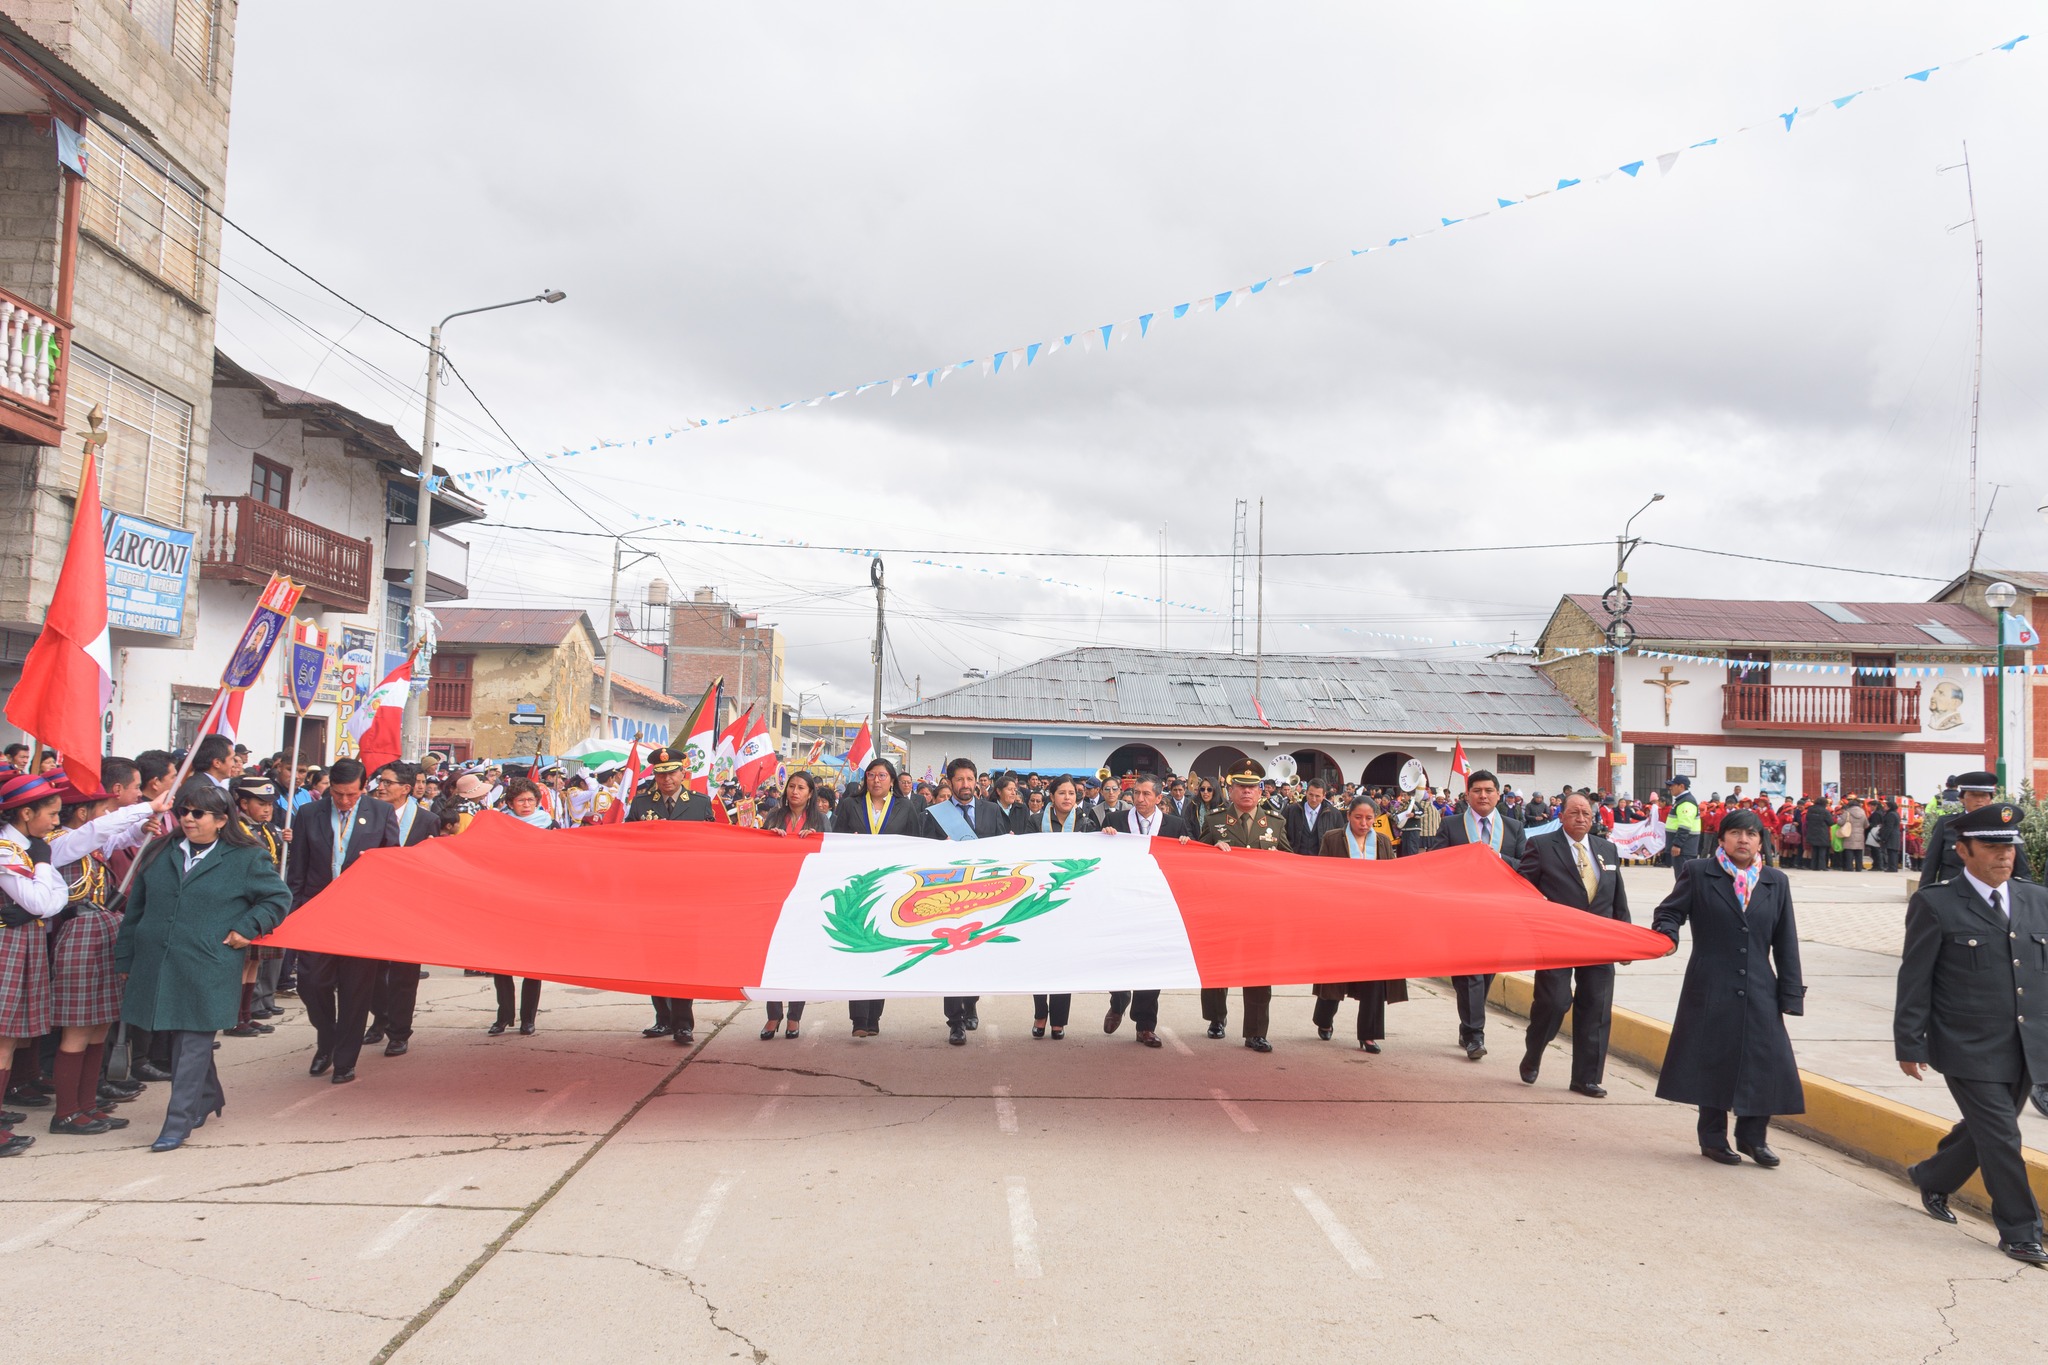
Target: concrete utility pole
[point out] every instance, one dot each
(611, 630)
(414, 727)
(875, 724)
(1259, 630)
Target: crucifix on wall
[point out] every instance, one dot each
(1667, 682)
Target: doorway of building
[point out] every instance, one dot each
(1653, 770)
(311, 732)
(1214, 763)
(1316, 766)
(1873, 774)
(1384, 771)
(1136, 758)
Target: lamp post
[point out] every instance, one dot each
(1999, 596)
(1619, 634)
(415, 725)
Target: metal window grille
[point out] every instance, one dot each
(1010, 750)
(147, 459)
(142, 209)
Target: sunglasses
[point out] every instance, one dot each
(191, 812)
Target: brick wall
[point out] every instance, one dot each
(708, 641)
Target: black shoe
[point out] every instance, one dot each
(29, 1099)
(1936, 1206)
(14, 1144)
(1149, 1039)
(526, 1029)
(2030, 1252)
(1532, 1065)
(1258, 1044)
(344, 1077)
(973, 1021)
(148, 1071)
(1112, 1021)
(242, 1031)
(1369, 1046)
(684, 1037)
(1474, 1050)
(497, 1027)
(768, 1034)
(286, 990)
(120, 1090)
(1215, 1030)
(80, 1125)
(397, 1047)
(958, 1035)
(1326, 1034)
(8, 1118)
(1591, 1092)
(372, 1037)
(1038, 1030)
(1722, 1155)
(656, 1031)
(1760, 1153)
(113, 1123)
(321, 1063)
(424, 973)
(1058, 1032)
(2041, 1099)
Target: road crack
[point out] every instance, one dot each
(711, 1309)
(225, 1284)
(1955, 1294)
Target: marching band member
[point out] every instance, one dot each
(256, 802)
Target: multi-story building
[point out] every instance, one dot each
(300, 486)
(1784, 698)
(113, 158)
(710, 639)
(2026, 694)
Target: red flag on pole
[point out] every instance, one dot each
(616, 813)
(861, 752)
(224, 717)
(1459, 766)
(375, 723)
(67, 680)
(700, 738)
(756, 757)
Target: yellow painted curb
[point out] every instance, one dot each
(1869, 1127)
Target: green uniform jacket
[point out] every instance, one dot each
(1227, 827)
(180, 973)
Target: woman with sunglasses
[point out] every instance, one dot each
(199, 897)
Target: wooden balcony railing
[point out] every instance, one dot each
(246, 541)
(448, 698)
(1763, 706)
(34, 347)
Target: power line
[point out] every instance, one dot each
(1794, 563)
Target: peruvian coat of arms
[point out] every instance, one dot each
(940, 898)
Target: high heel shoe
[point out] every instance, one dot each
(768, 1034)
(499, 1027)
(526, 1029)
(167, 1143)
(1059, 1032)
(1038, 1028)
(790, 1032)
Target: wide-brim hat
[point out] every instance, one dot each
(254, 788)
(25, 789)
(75, 795)
(1974, 782)
(470, 787)
(663, 761)
(1244, 775)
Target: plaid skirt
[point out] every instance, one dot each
(24, 981)
(84, 989)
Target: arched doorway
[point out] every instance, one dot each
(1316, 766)
(1383, 771)
(1136, 758)
(1213, 763)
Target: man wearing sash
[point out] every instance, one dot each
(675, 1018)
(1484, 824)
(963, 815)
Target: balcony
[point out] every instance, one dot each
(246, 541)
(1842, 710)
(448, 698)
(447, 561)
(34, 347)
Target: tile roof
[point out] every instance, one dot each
(1328, 692)
(509, 625)
(1703, 620)
(640, 691)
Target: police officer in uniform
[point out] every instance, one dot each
(1975, 945)
(256, 803)
(1975, 791)
(1246, 823)
(670, 801)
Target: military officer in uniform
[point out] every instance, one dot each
(1975, 945)
(1246, 823)
(670, 801)
(1975, 790)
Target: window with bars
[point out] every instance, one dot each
(1010, 750)
(187, 27)
(148, 455)
(1515, 765)
(143, 209)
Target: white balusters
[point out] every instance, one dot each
(11, 318)
(28, 344)
(43, 354)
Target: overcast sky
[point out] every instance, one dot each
(752, 204)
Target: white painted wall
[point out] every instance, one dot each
(1696, 703)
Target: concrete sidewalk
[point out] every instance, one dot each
(1851, 929)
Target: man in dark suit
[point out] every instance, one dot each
(1571, 866)
(962, 815)
(398, 983)
(1975, 945)
(1308, 822)
(1483, 823)
(1146, 816)
(327, 837)
(1179, 802)
(670, 800)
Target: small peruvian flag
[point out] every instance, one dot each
(1458, 764)
(1261, 711)
(862, 751)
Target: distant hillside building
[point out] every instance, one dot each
(1340, 717)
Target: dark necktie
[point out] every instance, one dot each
(1486, 828)
(1996, 904)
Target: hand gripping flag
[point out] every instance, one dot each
(847, 917)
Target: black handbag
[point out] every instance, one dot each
(120, 1051)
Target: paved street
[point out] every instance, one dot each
(585, 1194)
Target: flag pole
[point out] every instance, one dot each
(291, 781)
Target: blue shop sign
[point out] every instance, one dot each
(149, 568)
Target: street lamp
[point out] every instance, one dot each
(1619, 634)
(415, 725)
(1999, 596)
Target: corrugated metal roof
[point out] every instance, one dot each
(1886, 624)
(509, 625)
(1329, 692)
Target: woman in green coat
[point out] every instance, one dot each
(197, 900)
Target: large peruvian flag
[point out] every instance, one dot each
(67, 682)
(854, 917)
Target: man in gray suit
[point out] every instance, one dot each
(1976, 944)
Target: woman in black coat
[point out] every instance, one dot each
(799, 817)
(875, 809)
(1729, 1049)
(1818, 835)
